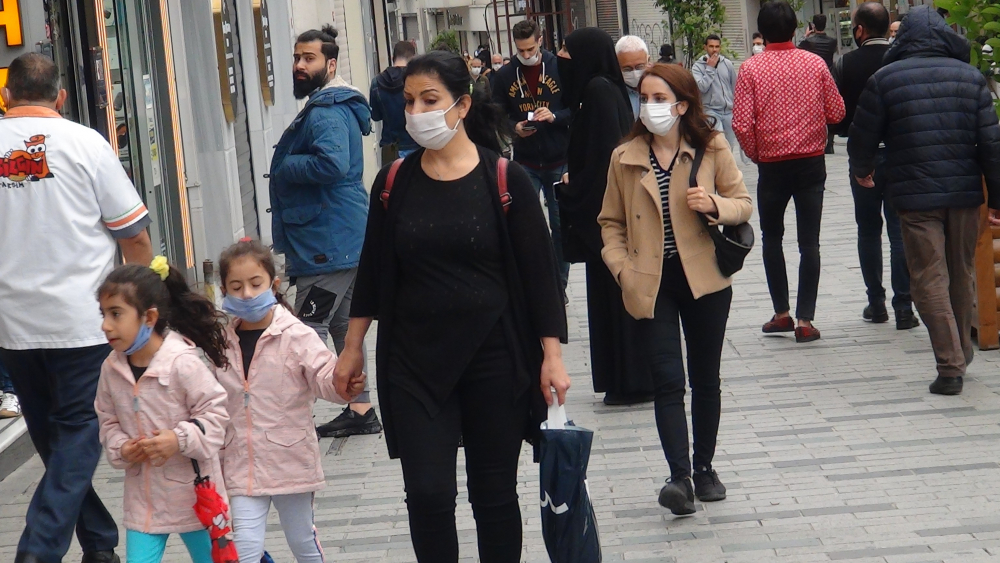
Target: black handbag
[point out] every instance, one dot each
(732, 243)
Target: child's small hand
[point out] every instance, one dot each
(131, 452)
(356, 385)
(161, 448)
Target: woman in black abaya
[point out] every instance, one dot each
(594, 90)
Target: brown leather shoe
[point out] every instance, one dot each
(805, 334)
(785, 324)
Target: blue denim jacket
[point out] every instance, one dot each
(319, 206)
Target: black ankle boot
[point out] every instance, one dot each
(947, 386)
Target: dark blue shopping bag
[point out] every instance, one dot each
(569, 525)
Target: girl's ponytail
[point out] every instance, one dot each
(195, 317)
(164, 288)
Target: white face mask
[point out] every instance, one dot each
(429, 129)
(658, 118)
(497, 66)
(477, 70)
(632, 78)
(758, 49)
(892, 40)
(534, 60)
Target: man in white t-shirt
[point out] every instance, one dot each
(65, 202)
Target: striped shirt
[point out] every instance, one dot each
(663, 180)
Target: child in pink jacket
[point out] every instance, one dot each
(159, 404)
(277, 368)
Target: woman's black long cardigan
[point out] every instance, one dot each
(536, 307)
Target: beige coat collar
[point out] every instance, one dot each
(637, 152)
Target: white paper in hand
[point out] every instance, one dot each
(557, 416)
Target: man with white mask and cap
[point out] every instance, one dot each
(633, 58)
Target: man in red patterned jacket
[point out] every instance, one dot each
(785, 97)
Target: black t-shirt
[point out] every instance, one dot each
(248, 344)
(452, 286)
(137, 372)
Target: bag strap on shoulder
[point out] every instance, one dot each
(505, 197)
(699, 154)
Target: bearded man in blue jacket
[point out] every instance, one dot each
(319, 207)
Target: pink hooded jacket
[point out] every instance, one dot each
(271, 446)
(178, 386)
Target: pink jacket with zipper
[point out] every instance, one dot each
(271, 446)
(178, 386)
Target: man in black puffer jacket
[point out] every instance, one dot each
(935, 114)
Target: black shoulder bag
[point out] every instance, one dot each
(732, 243)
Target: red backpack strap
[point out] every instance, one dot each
(393, 169)
(505, 197)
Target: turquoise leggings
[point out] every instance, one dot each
(148, 548)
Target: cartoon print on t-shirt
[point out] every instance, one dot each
(26, 165)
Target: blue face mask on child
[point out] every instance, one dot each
(141, 339)
(253, 309)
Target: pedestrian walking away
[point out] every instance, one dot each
(386, 96)
(819, 43)
(529, 91)
(159, 404)
(59, 227)
(470, 313)
(716, 78)
(633, 58)
(277, 368)
(649, 177)
(785, 99)
(595, 91)
(851, 72)
(926, 92)
(318, 204)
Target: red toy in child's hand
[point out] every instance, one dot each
(213, 512)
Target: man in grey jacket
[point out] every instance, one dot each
(716, 79)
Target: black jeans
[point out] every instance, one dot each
(869, 206)
(57, 389)
(704, 322)
(491, 422)
(802, 180)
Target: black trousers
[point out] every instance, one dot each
(802, 180)
(484, 413)
(704, 321)
(56, 389)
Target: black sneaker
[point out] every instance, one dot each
(101, 557)
(905, 320)
(947, 386)
(876, 313)
(678, 497)
(707, 486)
(350, 423)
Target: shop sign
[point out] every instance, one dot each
(10, 21)
(265, 61)
(226, 57)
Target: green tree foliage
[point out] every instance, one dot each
(690, 21)
(446, 40)
(980, 20)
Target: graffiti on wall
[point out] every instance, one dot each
(654, 34)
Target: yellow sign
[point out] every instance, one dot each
(10, 21)
(3, 82)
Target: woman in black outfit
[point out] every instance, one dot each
(470, 314)
(593, 88)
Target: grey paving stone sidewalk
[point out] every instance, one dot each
(832, 451)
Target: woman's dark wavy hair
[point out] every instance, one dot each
(259, 253)
(695, 128)
(486, 122)
(190, 314)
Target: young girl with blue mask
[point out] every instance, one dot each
(277, 368)
(159, 403)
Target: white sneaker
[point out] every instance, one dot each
(10, 407)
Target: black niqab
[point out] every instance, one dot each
(593, 53)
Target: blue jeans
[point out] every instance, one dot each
(6, 385)
(543, 179)
(724, 123)
(148, 548)
(57, 389)
(869, 206)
